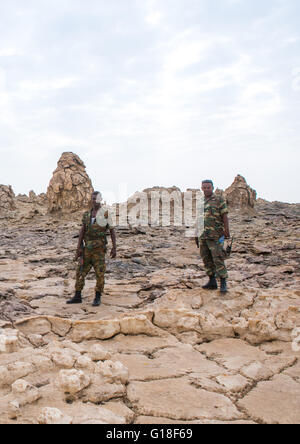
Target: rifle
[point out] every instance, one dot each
(81, 257)
(229, 249)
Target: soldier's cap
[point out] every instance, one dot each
(208, 181)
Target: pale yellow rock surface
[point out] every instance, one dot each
(177, 399)
(51, 416)
(274, 402)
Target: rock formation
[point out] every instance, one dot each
(239, 194)
(32, 198)
(70, 188)
(7, 198)
(170, 206)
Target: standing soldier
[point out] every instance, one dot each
(216, 228)
(95, 224)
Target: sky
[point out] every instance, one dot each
(151, 93)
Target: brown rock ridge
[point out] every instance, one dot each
(239, 194)
(70, 187)
(7, 198)
(32, 198)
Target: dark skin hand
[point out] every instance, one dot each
(208, 190)
(95, 207)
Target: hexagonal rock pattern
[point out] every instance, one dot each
(178, 399)
(274, 402)
(168, 363)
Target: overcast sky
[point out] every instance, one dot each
(151, 92)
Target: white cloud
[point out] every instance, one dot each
(154, 15)
(9, 52)
(291, 40)
(58, 83)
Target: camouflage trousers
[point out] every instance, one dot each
(213, 256)
(94, 258)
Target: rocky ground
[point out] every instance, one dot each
(159, 349)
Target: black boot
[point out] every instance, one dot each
(97, 300)
(212, 284)
(223, 288)
(76, 299)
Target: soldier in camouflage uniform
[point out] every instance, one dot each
(216, 228)
(95, 224)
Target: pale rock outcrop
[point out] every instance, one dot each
(32, 198)
(98, 415)
(22, 394)
(107, 382)
(98, 353)
(20, 386)
(9, 340)
(138, 324)
(233, 383)
(274, 402)
(113, 372)
(182, 402)
(103, 329)
(168, 363)
(17, 370)
(64, 358)
(70, 188)
(256, 330)
(181, 320)
(101, 391)
(84, 363)
(34, 325)
(72, 381)
(121, 410)
(53, 416)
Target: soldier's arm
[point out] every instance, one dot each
(224, 214)
(113, 253)
(80, 240)
(226, 225)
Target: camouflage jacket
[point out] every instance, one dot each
(94, 235)
(214, 209)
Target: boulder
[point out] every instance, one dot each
(7, 198)
(51, 416)
(239, 194)
(70, 188)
